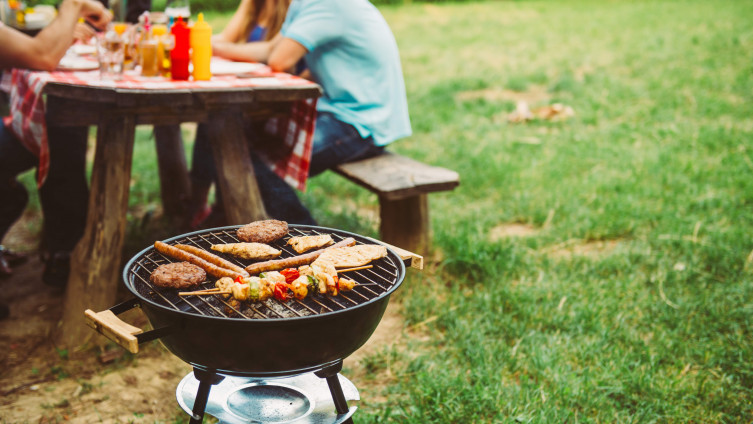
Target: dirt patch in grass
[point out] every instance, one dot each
(576, 247)
(512, 230)
(42, 384)
(534, 94)
(373, 367)
(373, 381)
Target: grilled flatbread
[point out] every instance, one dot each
(304, 243)
(353, 256)
(255, 251)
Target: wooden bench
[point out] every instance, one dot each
(402, 185)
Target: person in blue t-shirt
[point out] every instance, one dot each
(350, 51)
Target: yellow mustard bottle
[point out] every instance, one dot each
(201, 49)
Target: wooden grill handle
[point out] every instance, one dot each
(416, 260)
(109, 325)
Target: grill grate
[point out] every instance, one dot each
(372, 283)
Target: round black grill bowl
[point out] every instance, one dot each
(264, 339)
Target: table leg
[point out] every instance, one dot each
(95, 263)
(235, 174)
(175, 186)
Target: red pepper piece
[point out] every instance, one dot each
(281, 292)
(290, 274)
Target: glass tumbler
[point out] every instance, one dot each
(110, 49)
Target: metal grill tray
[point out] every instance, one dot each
(372, 283)
(301, 399)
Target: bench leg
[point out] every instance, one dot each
(405, 223)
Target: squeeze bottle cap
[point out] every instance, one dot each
(201, 28)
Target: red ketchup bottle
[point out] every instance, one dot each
(180, 56)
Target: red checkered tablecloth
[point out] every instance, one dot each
(27, 112)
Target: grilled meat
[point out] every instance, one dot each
(178, 275)
(254, 251)
(353, 256)
(305, 243)
(295, 261)
(265, 231)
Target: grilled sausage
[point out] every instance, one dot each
(183, 255)
(212, 258)
(294, 261)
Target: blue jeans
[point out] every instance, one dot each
(335, 142)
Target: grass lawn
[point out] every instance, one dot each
(629, 299)
(598, 269)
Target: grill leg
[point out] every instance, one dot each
(207, 379)
(330, 374)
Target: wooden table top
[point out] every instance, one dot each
(75, 105)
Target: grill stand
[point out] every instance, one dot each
(207, 379)
(330, 373)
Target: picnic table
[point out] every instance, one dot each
(115, 108)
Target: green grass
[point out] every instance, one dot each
(655, 329)
(657, 164)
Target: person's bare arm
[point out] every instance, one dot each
(46, 49)
(247, 52)
(285, 54)
(233, 31)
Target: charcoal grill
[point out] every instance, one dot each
(269, 339)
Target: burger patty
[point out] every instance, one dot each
(178, 275)
(265, 231)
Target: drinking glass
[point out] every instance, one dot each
(110, 49)
(177, 8)
(166, 44)
(149, 50)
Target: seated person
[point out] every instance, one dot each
(350, 51)
(64, 194)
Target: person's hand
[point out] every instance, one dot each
(95, 13)
(306, 74)
(82, 32)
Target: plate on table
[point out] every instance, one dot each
(77, 63)
(83, 49)
(218, 67)
(36, 20)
